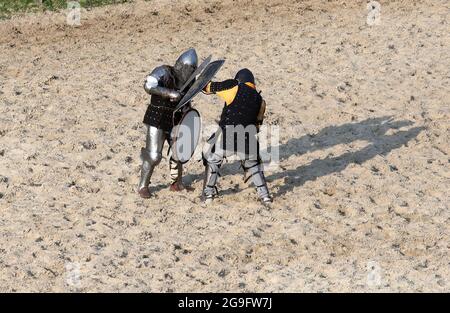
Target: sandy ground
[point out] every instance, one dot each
(361, 194)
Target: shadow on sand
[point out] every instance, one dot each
(373, 130)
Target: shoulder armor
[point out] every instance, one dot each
(161, 73)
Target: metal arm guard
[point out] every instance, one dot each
(163, 92)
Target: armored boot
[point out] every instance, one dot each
(209, 185)
(212, 162)
(149, 162)
(151, 156)
(176, 175)
(255, 172)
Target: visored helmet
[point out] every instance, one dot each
(185, 65)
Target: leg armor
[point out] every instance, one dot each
(176, 171)
(151, 155)
(213, 162)
(253, 167)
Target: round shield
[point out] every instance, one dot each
(185, 136)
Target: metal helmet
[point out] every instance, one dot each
(185, 65)
(245, 76)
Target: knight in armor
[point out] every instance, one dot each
(164, 84)
(242, 115)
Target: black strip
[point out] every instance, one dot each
(225, 302)
(251, 175)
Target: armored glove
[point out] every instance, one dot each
(174, 95)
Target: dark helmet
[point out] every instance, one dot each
(185, 65)
(245, 76)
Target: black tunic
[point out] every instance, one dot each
(244, 108)
(242, 111)
(159, 113)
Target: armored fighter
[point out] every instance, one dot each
(164, 84)
(239, 123)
